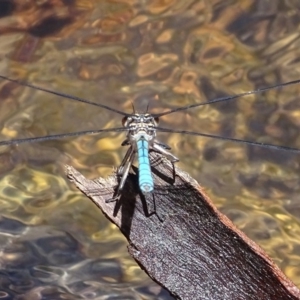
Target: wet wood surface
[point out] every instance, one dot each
(183, 242)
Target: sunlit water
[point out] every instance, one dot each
(54, 242)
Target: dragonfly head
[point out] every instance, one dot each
(140, 126)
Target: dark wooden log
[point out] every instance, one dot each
(183, 242)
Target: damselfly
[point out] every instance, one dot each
(141, 135)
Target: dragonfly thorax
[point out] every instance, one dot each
(140, 126)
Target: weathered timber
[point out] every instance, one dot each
(183, 242)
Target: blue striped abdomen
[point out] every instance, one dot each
(145, 178)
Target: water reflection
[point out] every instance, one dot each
(173, 53)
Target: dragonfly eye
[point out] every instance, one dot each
(124, 120)
(156, 119)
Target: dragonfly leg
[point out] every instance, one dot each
(123, 163)
(158, 148)
(125, 170)
(165, 146)
(125, 143)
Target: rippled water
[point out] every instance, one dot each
(54, 243)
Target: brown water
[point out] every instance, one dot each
(54, 243)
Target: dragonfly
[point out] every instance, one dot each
(141, 130)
